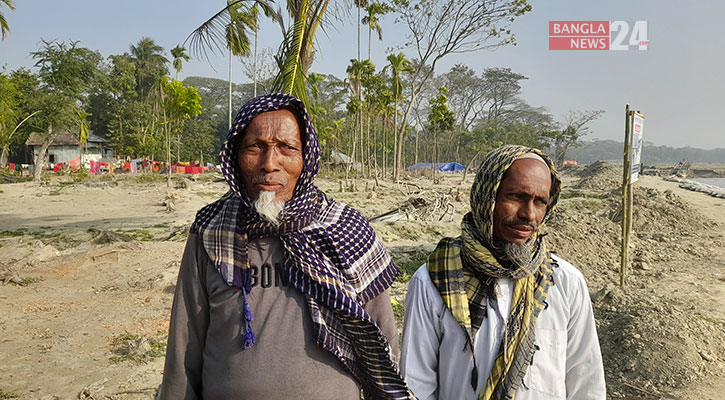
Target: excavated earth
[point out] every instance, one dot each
(88, 272)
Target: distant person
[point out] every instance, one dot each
(493, 314)
(283, 292)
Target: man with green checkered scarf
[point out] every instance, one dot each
(493, 314)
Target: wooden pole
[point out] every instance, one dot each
(625, 200)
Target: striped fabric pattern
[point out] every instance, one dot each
(465, 269)
(332, 256)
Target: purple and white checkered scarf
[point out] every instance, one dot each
(332, 256)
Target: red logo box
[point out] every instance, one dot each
(578, 35)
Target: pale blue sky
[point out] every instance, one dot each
(677, 83)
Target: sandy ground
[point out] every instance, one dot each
(89, 272)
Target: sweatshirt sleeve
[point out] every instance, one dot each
(381, 310)
(188, 326)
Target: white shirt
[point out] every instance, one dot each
(568, 364)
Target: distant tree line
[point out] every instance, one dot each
(383, 117)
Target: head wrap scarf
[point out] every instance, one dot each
(332, 256)
(465, 269)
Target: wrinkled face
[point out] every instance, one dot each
(269, 155)
(521, 201)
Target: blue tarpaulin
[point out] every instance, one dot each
(451, 166)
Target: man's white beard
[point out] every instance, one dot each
(269, 208)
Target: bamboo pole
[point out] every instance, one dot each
(625, 200)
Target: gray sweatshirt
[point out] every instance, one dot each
(205, 358)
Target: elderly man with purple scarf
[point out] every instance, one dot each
(283, 292)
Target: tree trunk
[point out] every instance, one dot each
(435, 154)
(4, 156)
(401, 130)
(256, 34)
(230, 89)
(396, 175)
(40, 157)
(375, 150)
(417, 137)
(470, 165)
(168, 154)
(352, 156)
(385, 146)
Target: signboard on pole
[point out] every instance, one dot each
(636, 130)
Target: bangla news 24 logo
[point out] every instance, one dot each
(598, 35)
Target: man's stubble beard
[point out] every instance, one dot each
(519, 253)
(268, 207)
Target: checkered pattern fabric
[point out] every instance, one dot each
(331, 255)
(465, 270)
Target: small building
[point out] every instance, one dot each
(65, 147)
(98, 146)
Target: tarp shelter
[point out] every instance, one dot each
(445, 167)
(338, 158)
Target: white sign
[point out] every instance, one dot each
(636, 129)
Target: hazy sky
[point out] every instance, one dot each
(675, 82)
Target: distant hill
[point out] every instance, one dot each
(610, 150)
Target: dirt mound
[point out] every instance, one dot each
(600, 176)
(652, 340)
(664, 213)
(652, 344)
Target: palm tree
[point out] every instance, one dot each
(356, 71)
(372, 20)
(4, 28)
(227, 30)
(296, 52)
(398, 64)
(179, 54)
(150, 64)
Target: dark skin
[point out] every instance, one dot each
(521, 201)
(269, 155)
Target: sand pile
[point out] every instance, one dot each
(653, 339)
(600, 176)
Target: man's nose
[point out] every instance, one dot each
(527, 211)
(270, 160)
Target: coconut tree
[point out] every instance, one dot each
(179, 54)
(398, 64)
(150, 65)
(372, 20)
(228, 31)
(4, 27)
(295, 54)
(357, 71)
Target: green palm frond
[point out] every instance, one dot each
(315, 22)
(227, 29)
(4, 27)
(291, 77)
(398, 64)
